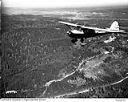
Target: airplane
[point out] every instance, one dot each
(81, 32)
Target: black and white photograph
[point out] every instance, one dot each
(64, 49)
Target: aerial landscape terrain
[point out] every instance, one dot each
(39, 59)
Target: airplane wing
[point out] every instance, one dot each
(80, 26)
(100, 30)
(92, 28)
(114, 28)
(70, 24)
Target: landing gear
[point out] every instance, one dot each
(74, 40)
(79, 41)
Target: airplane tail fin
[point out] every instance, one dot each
(114, 26)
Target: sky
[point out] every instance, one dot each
(61, 3)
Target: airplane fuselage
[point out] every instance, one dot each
(78, 34)
(82, 34)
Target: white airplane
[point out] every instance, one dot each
(81, 31)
